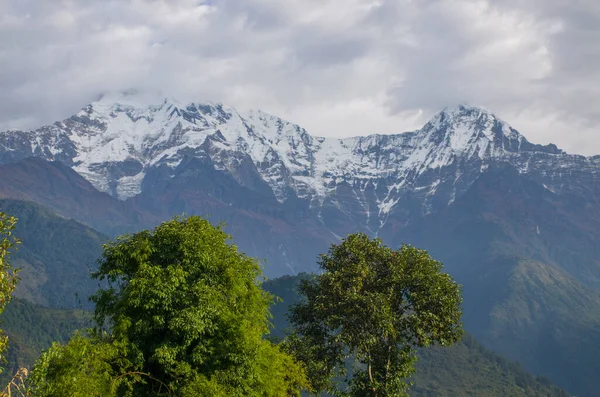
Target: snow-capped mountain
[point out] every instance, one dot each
(116, 142)
(517, 224)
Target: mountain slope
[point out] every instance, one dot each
(527, 261)
(61, 189)
(278, 233)
(165, 157)
(56, 256)
(466, 369)
(32, 328)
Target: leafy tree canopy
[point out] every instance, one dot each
(375, 304)
(183, 315)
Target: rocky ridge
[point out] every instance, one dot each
(116, 142)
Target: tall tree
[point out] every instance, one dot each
(183, 315)
(8, 275)
(376, 305)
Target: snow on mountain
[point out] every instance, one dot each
(114, 141)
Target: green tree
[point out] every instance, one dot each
(375, 305)
(183, 314)
(8, 275)
(86, 366)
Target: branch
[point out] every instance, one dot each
(148, 376)
(373, 388)
(389, 363)
(18, 383)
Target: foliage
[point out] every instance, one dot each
(184, 314)
(85, 366)
(8, 275)
(275, 373)
(375, 304)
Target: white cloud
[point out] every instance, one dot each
(337, 67)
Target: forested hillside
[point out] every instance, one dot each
(32, 328)
(56, 257)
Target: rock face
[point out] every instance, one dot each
(171, 158)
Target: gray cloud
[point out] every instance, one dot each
(338, 67)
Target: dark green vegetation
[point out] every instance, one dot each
(468, 369)
(183, 315)
(465, 369)
(56, 256)
(376, 305)
(32, 328)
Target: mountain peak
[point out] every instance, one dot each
(466, 132)
(116, 140)
(472, 129)
(466, 115)
(154, 106)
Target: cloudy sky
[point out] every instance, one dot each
(336, 67)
